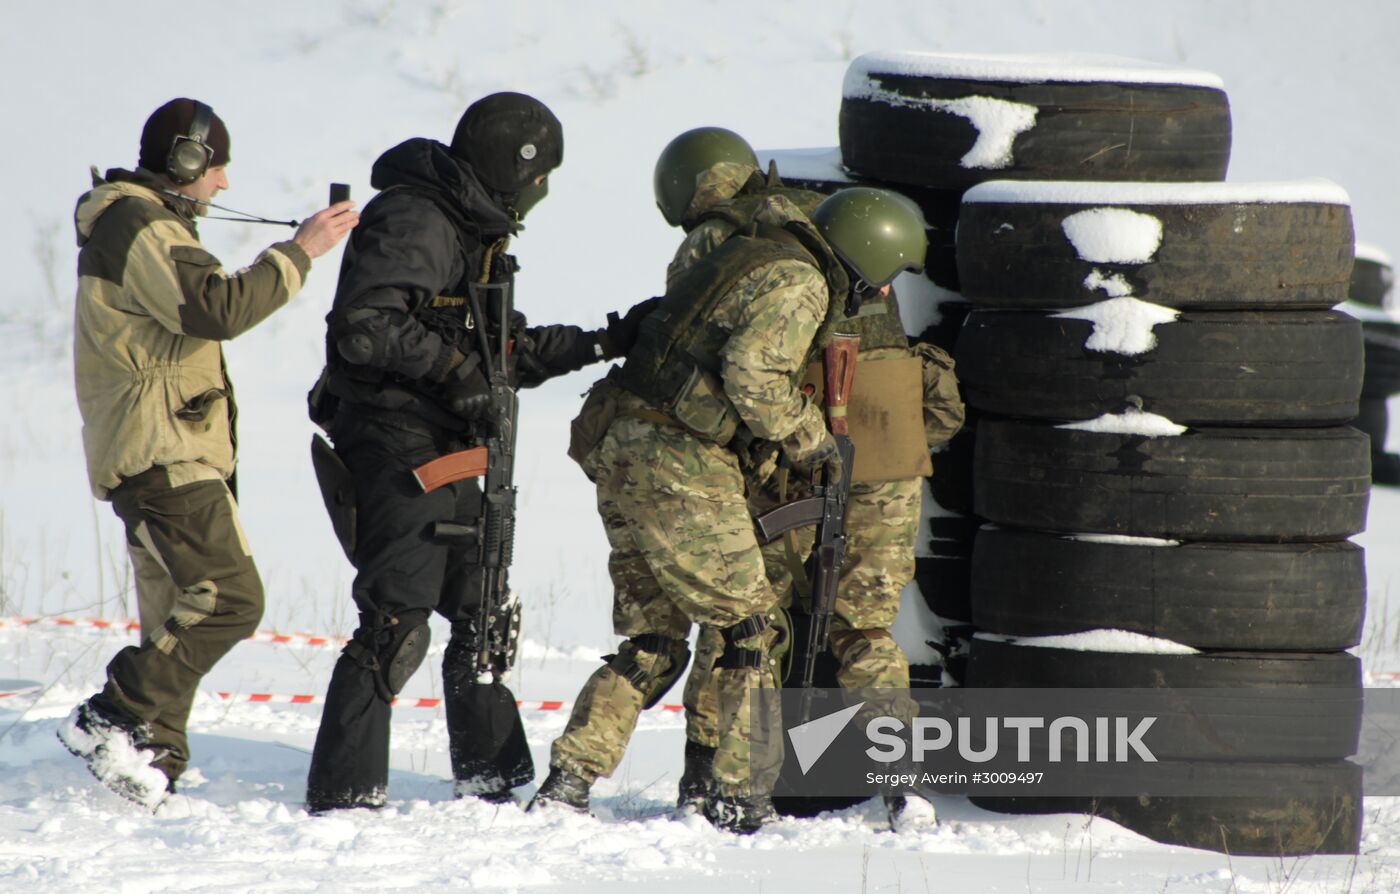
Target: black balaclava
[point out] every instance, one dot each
(510, 139)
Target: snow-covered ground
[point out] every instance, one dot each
(312, 93)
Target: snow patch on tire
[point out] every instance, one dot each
(1123, 642)
(1122, 325)
(1306, 190)
(1130, 422)
(862, 76)
(1121, 539)
(1113, 235)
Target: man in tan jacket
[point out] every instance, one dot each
(158, 430)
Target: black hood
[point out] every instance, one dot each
(429, 167)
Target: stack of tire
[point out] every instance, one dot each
(1372, 286)
(933, 312)
(934, 125)
(1173, 463)
(1201, 497)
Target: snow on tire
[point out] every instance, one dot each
(1231, 484)
(1268, 597)
(950, 121)
(1202, 245)
(1202, 368)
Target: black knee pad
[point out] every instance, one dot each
(391, 647)
(409, 649)
(652, 686)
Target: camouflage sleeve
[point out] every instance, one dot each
(780, 308)
(186, 289)
(698, 243)
(944, 412)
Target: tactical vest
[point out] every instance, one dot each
(885, 411)
(740, 210)
(675, 364)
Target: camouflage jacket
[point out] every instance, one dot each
(767, 320)
(152, 307)
(943, 409)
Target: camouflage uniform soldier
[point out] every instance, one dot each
(158, 430)
(715, 366)
(891, 460)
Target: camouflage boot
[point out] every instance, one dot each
(697, 780)
(562, 789)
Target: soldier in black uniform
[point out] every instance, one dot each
(404, 384)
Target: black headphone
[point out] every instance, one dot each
(190, 153)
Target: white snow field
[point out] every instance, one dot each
(312, 92)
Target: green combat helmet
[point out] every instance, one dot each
(875, 232)
(686, 158)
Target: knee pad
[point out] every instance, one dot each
(391, 648)
(651, 684)
(735, 656)
(409, 649)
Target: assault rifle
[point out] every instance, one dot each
(493, 533)
(826, 508)
(499, 628)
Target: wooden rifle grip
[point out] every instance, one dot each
(839, 364)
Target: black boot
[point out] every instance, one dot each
(350, 761)
(562, 789)
(697, 780)
(740, 814)
(491, 790)
(485, 735)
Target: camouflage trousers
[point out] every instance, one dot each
(683, 553)
(882, 522)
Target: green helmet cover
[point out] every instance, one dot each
(687, 157)
(875, 232)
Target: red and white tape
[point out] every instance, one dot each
(266, 636)
(131, 626)
(276, 699)
(55, 621)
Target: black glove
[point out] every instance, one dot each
(621, 333)
(466, 392)
(524, 368)
(823, 456)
